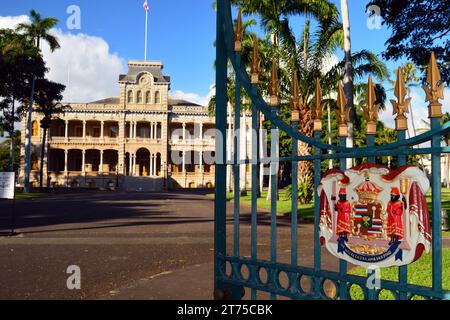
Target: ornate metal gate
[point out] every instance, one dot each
(231, 285)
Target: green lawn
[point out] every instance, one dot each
(284, 205)
(307, 211)
(419, 273)
(31, 195)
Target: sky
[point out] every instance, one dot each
(181, 35)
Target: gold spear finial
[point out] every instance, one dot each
(317, 110)
(434, 91)
(342, 113)
(256, 62)
(273, 89)
(371, 110)
(239, 32)
(295, 103)
(401, 106)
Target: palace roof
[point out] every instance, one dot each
(136, 68)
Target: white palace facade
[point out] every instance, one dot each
(127, 141)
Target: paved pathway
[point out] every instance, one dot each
(128, 246)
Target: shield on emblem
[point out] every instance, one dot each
(367, 221)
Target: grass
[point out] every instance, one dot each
(34, 195)
(419, 273)
(284, 205)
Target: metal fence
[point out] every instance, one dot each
(231, 284)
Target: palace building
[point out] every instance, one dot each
(127, 141)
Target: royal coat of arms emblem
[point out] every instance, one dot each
(373, 216)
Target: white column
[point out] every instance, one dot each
(151, 131)
(184, 161)
(133, 169)
(154, 165)
(67, 130)
(184, 132)
(135, 130)
(83, 162)
(131, 133)
(84, 129)
(102, 130)
(66, 155)
(201, 131)
(150, 167)
(101, 162)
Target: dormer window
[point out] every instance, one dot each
(130, 97)
(139, 97)
(157, 97)
(147, 97)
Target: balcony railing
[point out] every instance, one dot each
(83, 140)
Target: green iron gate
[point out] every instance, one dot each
(232, 284)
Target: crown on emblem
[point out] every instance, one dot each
(368, 191)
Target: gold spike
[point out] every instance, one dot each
(239, 32)
(370, 110)
(434, 91)
(318, 108)
(256, 62)
(295, 98)
(401, 106)
(342, 113)
(273, 90)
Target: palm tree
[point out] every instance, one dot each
(48, 97)
(36, 31)
(321, 47)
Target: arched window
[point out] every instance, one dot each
(35, 129)
(157, 97)
(147, 97)
(139, 97)
(130, 97)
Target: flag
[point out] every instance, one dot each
(146, 5)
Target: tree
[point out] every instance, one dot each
(36, 31)
(418, 27)
(19, 61)
(48, 103)
(322, 46)
(5, 148)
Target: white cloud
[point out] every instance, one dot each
(83, 63)
(194, 97)
(12, 22)
(419, 110)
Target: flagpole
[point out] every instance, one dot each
(146, 34)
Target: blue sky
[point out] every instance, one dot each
(181, 32)
(181, 35)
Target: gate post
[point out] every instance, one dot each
(371, 116)
(317, 117)
(343, 116)
(434, 92)
(220, 172)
